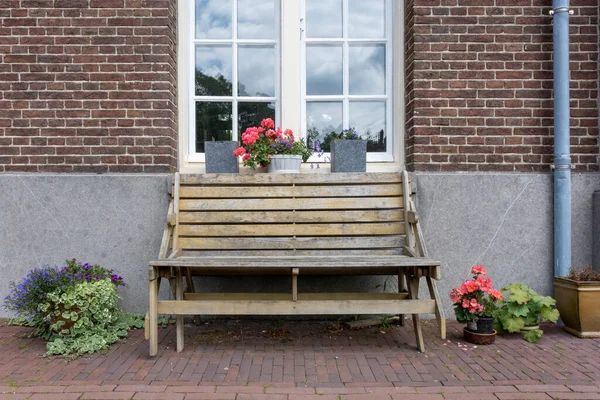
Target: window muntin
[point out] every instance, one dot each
(236, 68)
(347, 79)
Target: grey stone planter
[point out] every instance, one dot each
(348, 155)
(219, 157)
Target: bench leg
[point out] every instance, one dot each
(179, 318)
(402, 289)
(189, 281)
(413, 290)
(439, 312)
(153, 316)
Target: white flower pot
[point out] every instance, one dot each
(285, 164)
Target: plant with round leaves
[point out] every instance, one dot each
(524, 307)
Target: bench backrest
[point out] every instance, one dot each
(321, 213)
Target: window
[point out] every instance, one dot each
(235, 73)
(348, 71)
(314, 66)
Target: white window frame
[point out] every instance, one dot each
(234, 98)
(290, 112)
(345, 97)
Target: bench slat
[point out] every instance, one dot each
(352, 242)
(275, 179)
(204, 192)
(339, 216)
(292, 230)
(293, 204)
(300, 307)
(292, 252)
(298, 261)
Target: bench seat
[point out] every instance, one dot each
(292, 225)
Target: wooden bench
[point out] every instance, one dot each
(294, 225)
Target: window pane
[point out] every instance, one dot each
(251, 114)
(256, 19)
(213, 71)
(368, 118)
(324, 18)
(256, 71)
(367, 69)
(213, 122)
(324, 74)
(213, 19)
(366, 19)
(323, 118)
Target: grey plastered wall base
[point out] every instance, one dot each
(113, 220)
(220, 158)
(502, 221)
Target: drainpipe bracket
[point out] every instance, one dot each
(561, 10)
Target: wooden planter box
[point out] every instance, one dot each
(579, 306)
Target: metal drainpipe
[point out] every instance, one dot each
(562, 157)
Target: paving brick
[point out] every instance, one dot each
(524, 396)
(261, 396)
(158, 396)
(107, 396)
(55, 396)
(543, 388)
(566, 396)
(90, 388)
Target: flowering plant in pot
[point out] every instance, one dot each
(262, 144)
(475, 301)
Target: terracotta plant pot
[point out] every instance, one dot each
(479, 338)
(579, 306)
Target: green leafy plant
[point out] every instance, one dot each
(522, 307)
(74, 308)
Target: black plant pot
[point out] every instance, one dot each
(485, 325)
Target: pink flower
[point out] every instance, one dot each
(465, 303)
(288, 134)
(250, 136)
(240, 151)
(485, 284)
(267, 123)
(456, 296)
(496, 294)
(470, 286)
(478, 270)
(271, 134)
(246, 157)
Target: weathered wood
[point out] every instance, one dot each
(176, 211)
(296, 216)
(304, 262)
(179, 317)
(166, 238)
(258, 192)
(293, 252)
(296, 179)
(406, 201)
(310, 224)
(295, 272)
(291, 230)
(300, 307)
(153, 315)
(413, 291)
(291, 204)
(439, 311)
(275, 243)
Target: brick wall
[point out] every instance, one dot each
(480, 97)
(87, 85)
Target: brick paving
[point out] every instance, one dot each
(292, 360)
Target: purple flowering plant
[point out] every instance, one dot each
(26, 297)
